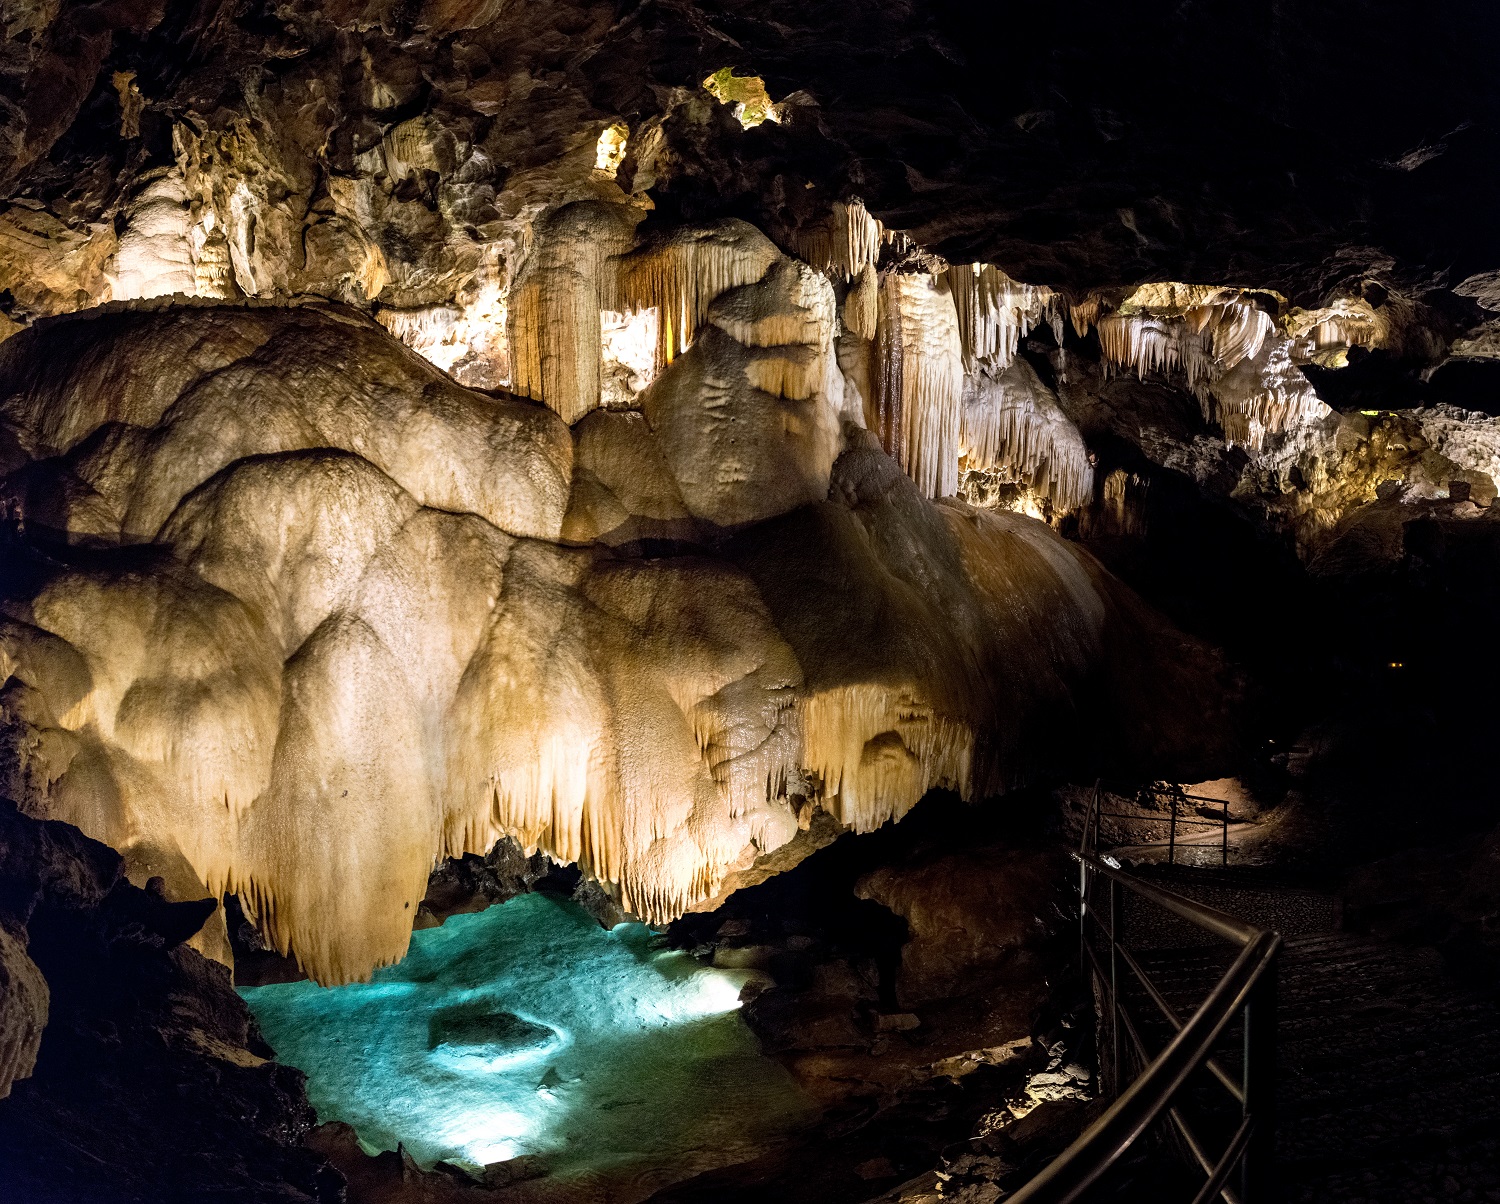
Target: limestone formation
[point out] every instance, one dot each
(1012, 422)
(299, 615)
(920, 382)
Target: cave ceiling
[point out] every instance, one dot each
(1085, 146)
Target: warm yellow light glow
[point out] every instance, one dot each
(747, 93)
(628, 356)
(610, 152)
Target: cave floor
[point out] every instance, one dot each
(1389, 1069)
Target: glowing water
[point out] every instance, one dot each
(527, 1029)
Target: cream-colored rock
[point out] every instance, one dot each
(215, 386)
(941, 645)
(1241, 361)
(24, 999)
(680, 274)
(1013, 422)
(748, 420)
(555, 334)
(328, 631)
(50, 267)
(920, 387)
(155, 256)
(623, 490)
(995, 313)
(844, 245)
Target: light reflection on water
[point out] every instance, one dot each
(528, 1029)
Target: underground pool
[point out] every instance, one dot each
(527, 1030)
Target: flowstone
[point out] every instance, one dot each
(527, 1030)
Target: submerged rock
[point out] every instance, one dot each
(475, 1031)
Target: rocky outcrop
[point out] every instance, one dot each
(23, 1011)
(299, 614)
(967, 914)
(151, 1080)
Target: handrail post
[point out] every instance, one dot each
(1114, 986)
(1258, 1168)
(1224, 830)
(1097, 807)
(1083, 919)
(1172, 831)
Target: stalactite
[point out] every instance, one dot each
(1260, 397)
(680, 275)
(1083, 315)
(1239, 362)
(995, 312)
(878, 751)
(843, 244)
(1012, 421)
(554, 312)
(920, 390)
(351, 640)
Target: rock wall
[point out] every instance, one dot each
(151, 1081)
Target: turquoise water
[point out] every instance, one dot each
(526, 1029)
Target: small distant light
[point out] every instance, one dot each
(609, 152)
(747, 93)
(1398, 664)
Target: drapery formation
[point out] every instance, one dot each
(293, 614)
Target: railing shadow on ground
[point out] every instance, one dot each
(1170, 1084)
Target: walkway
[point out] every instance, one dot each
(1389, 1083)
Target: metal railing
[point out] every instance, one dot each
(1179, 805)
(1242, 1172)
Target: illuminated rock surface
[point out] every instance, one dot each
(295, 614)
(669, 436)
(526, 1029)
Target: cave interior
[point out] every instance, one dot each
(595, 595)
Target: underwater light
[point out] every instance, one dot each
(484, 1136)
(526, 1029)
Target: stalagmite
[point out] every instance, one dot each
(1012, 421)
(155, 256)
(920, 391)
(558, 295)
